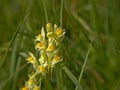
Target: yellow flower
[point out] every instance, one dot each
(30, 82)
(59, 31)
(51, 48)
(51, 35)
(56, 59)
(40, 45)
(31, 58)
(36, 88)
(38, 38)
(25, 88)
(43, 57)
(42, 68)
(51, 45)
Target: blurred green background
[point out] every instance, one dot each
(83, 20)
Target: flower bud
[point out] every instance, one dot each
(49, 27)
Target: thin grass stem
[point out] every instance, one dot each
(72, 77)
(84, 64)
(45, 11)
(61, 13)
(19, 28)
(14, 55)
(18, 63)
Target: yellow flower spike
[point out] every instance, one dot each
(25, 88)
(48, 42)
(49, 27)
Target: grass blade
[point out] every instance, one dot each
(61, 12)
(84, 64)
(45, 11)
(12, 76)
(72, 77)
(16, 33)
(84, 24)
